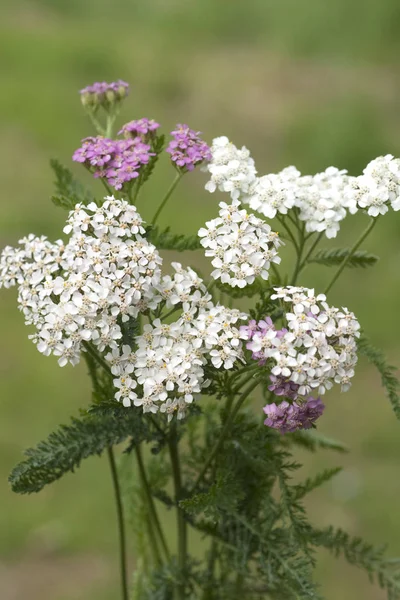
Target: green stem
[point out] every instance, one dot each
(153, 511)
(166, 197)
(289, 231)
(299, 256)
(225, 430)
(181, 523)
(96, 124)
(121, 524)
(110, 123)
(311, 250)
(97, 357)
(358, 243)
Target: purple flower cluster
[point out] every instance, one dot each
(187, 149)
(141, 127)
(103, 93)
(117, 161)
(289, 417)
(261, 328)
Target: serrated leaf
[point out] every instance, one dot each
(166, 240)
(65, 448)
(334, 257)
(69, 190)
(388, 378)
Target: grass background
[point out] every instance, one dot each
(305, 83)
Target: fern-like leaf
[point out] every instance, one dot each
(359, 553)
(389, 380)
(166, 240)
(69, 191)
(333, 257)
(64, 449)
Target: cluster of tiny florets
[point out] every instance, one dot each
(116, 161)
(286, 417)
(104, 94)
(315, 349)
(242, 245)
(377, 188)
(165, 372)
(86, 289)
(322, 201)
(232, 169)
(140, 127)
(187, 149)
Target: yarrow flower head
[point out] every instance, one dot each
(316, 349)
(232, 170)
(287, 417)
(143, 128)
(187, 149)
(104, 94)
(166, 371)
(84, 291)
(378, 187)
(117, 161)
(242, 246)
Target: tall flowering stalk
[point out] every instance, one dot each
(222, 395)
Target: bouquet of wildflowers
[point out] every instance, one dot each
(211, 383)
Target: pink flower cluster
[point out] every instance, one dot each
(117, 161)
(288, 417)
(140, 127)
(103, 93)
(187, 149)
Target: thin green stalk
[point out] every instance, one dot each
(110, 123)
(225, 429)
(166, 197)
(299, 256)
(96, 123)
(355, 247)
(289, 231)
(311, 250)
(121, 524)
(97, 357)
(150, 500)
(170, 312)
(181, 523)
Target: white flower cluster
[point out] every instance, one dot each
(274, 193)
(321, 200)
(377, 188)
(77, 292)
(232, 170)
(242, 246)
(319, 347)
(166, 370)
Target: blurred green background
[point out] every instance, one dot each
(306, 83)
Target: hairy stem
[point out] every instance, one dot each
(150, 500)
(181, 523)
(355, 247)
(121, 524)
(225, 430)
(167, 197)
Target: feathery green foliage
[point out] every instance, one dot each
(69, 191)
(389, 380)
(64, 449)
(166, 240)
(333, 257)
